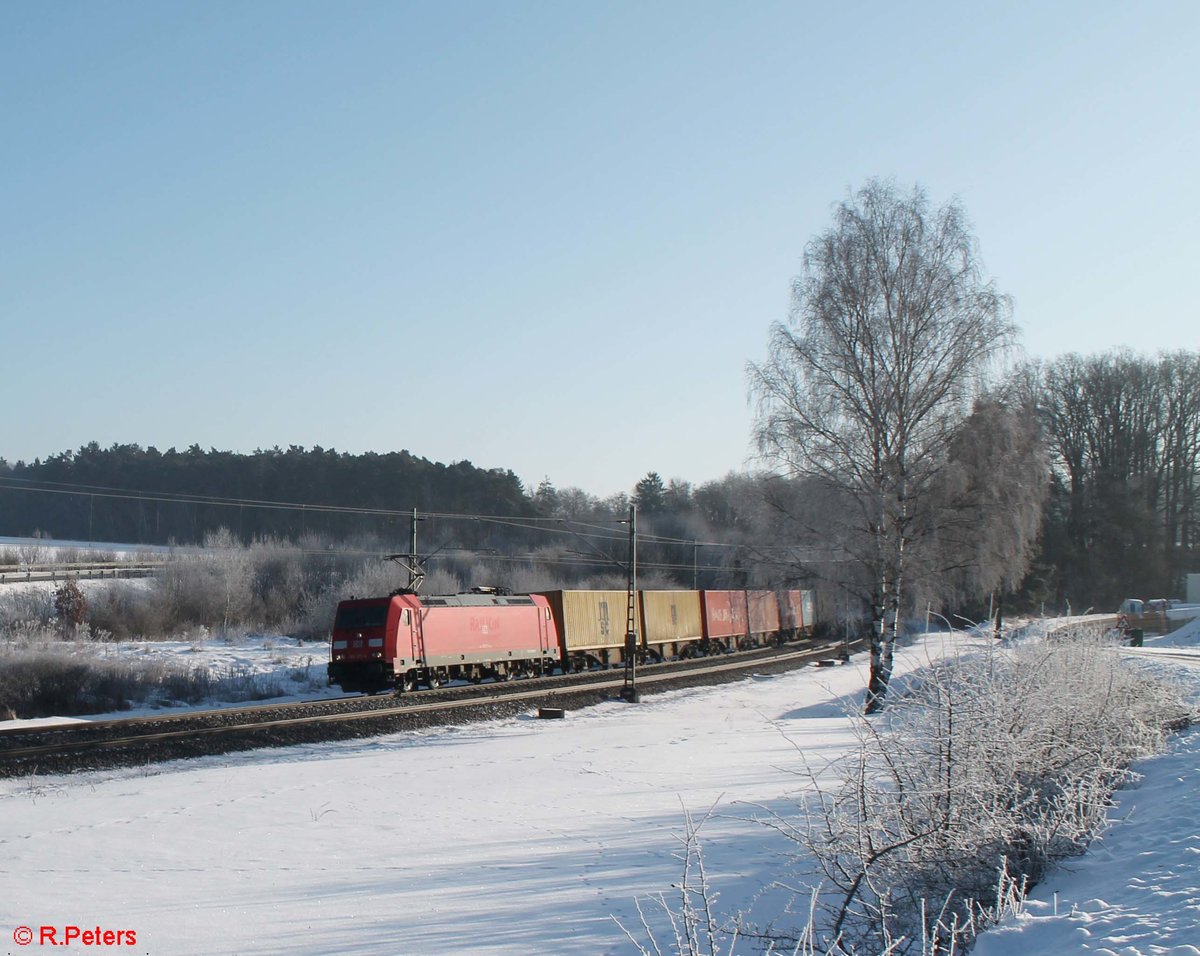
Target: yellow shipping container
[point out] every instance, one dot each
(591, 624)
(671, 616)
(590, 621)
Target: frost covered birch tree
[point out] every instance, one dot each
(892, 328)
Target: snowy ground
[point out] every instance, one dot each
(520, 836)
(1137, 889)
(253, 668)
(283, 668)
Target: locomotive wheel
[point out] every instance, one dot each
(433, 680)
(408, 683)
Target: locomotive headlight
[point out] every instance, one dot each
(337, 657)
(377, 655)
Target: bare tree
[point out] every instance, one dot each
(892, 328)
(1126, 442)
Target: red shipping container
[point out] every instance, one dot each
(724, 614)
(797, 610)
(763, 612)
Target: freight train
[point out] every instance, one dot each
(406, 640)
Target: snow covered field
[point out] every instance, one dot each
(522, 836)
(254, 666)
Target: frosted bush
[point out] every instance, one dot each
(987, 768)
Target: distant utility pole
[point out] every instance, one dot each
(629, 691)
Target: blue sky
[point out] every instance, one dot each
(544, 236)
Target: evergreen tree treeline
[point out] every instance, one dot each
(116, 493)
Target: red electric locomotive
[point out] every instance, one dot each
(407, 639)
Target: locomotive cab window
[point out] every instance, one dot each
(361, 618)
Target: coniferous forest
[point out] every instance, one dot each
(127, 493)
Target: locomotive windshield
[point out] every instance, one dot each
(360, 618)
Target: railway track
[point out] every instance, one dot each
(133, 741)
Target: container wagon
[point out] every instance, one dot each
(725, 618)
(797, 614)
(591, 626)
(762, 615)
(672, 624)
